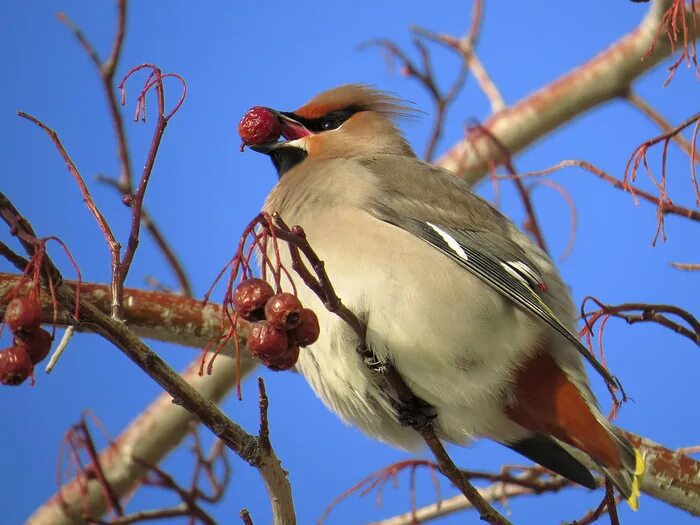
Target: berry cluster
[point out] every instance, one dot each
(31, 343)
(280, 324)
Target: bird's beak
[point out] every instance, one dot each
(292, 129)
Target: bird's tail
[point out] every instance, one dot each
(549, 403)
(627, 478)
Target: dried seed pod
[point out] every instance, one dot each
(259, 126)
(15, 365)
(284, 361)
(308, 330)
(283, 310)
(250, 297)
(37, 343)
(23, 313)
(265, 341)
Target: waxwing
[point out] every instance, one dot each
(469, 311)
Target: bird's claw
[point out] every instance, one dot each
(417, 414)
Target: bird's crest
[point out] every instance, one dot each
(359, 97)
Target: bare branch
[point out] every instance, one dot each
(495, 492)
(604, 77)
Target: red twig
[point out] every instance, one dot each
(664, 205)
(39, 265)
(77, 440)
(688, 147)
(155, 79)
(674, 24)
(639, 155)
(634, 313)
(424, 74)
(531, 223)
(158, 237)
(607, 505)
(573, 215)
(106, 72)
(117, 285)
(379, 479)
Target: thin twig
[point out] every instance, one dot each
(161, 242)
(639, 155)
(149, 516)
(647, 109)
(634, 313)
(664, 206)
(425, 76)
(106, 72)
(117, 287)
(531, 225)
(245, 516)
(466, 47)
(154, 80)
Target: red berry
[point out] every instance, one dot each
(250, 297)
(15, 366)
(283, 310)
(284, 361)
(23, 313)
(308, 330)
(265, 341)
(37, 343)
(259, 125)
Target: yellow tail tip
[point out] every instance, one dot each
(633, 500)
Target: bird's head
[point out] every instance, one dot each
(347, 121)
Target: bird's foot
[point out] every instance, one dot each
(375, 365)
(417, 414)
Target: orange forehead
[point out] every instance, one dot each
(313, 110)
(340, 97)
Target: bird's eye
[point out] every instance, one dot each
(330, 123)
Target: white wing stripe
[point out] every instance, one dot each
(451, 242)
(515, 273)
(524, 271)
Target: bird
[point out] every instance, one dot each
(469, 311)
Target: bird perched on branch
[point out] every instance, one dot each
(466, 308)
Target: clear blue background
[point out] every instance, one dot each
(238, 54)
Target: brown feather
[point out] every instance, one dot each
(548, 403)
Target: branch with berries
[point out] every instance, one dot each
(254, 450)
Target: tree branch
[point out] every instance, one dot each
(604, 77)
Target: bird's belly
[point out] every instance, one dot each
(453, 339)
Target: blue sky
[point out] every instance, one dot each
(238, 54)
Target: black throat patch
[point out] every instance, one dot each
(285, 158)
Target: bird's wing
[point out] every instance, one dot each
(468, 230)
